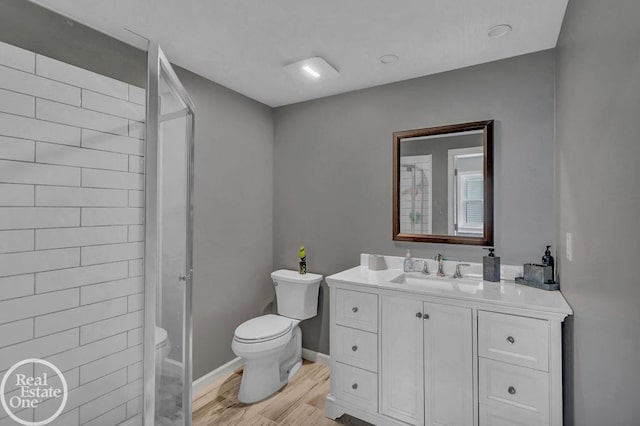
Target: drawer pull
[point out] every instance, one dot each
(425, 316)
(354, 386)
(354, 348)
(512, 390)
(418, 314)
(354, 309)
(511, 340)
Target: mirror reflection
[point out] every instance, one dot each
(441, 183)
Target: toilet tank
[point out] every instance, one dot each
(297, 294)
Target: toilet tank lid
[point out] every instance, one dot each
(296, 277)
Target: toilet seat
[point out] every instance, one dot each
(263, 329)
(161, 337)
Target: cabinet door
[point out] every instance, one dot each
(401, 387)
(448, 365)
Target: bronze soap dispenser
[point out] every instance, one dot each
(491, 266)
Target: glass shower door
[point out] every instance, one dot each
(168, 249)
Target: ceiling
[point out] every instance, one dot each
(244, 44)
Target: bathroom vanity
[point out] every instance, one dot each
(411, 348)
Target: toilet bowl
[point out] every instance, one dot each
(271, 345)
(163, 347)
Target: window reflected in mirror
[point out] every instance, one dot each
(466, 210)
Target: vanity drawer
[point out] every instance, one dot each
(514, 339)
(357, 348)
(357, 310)
(509, 416)
(356, 386)
(510, 388)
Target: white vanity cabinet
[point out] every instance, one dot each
(426, 373)
(401, 359)
(516, 357)
(448, 365)
(427, 355)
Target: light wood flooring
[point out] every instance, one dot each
(299, 403)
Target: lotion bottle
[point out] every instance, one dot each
(408, 262)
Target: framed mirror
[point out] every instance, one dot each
(443, 184)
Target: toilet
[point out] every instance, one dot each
(271, 345)
(163, 347)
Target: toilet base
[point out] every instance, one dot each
(264, 376)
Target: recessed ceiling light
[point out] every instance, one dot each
(388, 59)
(498, 31)
(315, 68)
(313, 73)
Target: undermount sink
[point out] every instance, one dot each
(417, 279)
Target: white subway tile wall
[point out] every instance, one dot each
(16, 103)
(34, 85)
(72, 232)
(17, 149)
(419, 219)
(15, 57)
(30, 128)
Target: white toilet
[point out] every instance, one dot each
(271, 345)
(163, 347)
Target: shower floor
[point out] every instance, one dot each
(300, 403)
(169, 401)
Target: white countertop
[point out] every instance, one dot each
(502, 293)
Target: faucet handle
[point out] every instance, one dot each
(458, 274)
(425, 267)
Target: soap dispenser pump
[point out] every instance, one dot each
(547, 260)
(408, 262)
(491, 266)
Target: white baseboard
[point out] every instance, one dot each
(202, 384)
(314, 356)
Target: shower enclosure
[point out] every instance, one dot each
(96, 238)
(168, 246)
(415, 194)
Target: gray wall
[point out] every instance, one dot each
(598, 150)
(233, 244)
(332, 167)
(233, 185)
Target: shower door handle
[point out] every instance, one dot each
(185, 277)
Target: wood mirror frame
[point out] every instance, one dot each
(487, 236)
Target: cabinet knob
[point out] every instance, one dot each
(512, 390)
(425, 316)
(418, 314)
(354, 348)
(354, 386)
(511, 340)
(354, 309)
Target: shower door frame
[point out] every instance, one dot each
(158, 66)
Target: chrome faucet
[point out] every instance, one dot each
(458, 274)
(439, 259)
